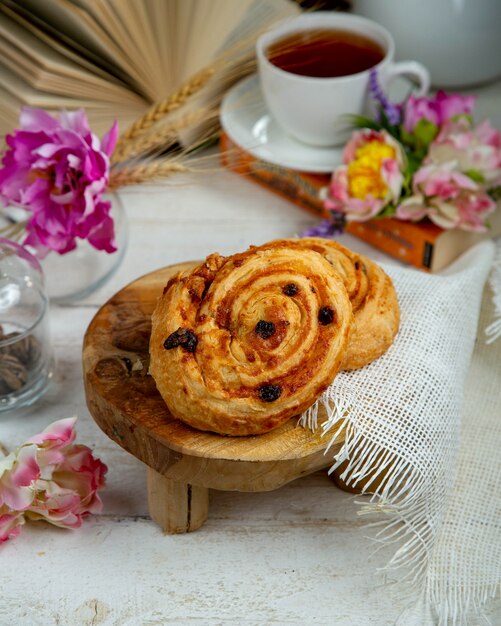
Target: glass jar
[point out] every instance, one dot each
(26, 362)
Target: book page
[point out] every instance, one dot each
(32, 59)
(28, 95)
(452, 243)
(76, 25)
(60, 48)
(127, 23)
(28, 10)
(17, 93)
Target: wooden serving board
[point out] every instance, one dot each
(183, 463)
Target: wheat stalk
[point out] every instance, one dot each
(161, 139)
(140, 139)
(155, 113)
(145, 172)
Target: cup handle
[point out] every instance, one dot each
(414, 70)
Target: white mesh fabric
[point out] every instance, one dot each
(407, 418)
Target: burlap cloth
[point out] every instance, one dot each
(424, 422)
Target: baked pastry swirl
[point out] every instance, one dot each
(372, 295)
(241, 344)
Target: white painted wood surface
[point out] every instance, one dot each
(298, 555)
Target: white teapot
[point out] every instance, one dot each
(457, 40)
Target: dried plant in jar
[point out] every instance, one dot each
(17, 360)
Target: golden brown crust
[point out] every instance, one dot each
(252, 339)
(372, 295)
(376, 321)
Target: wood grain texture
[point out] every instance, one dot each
(123, 400)
(177, 507)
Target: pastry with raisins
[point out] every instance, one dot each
(241, 344)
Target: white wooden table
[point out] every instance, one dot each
(298, 555)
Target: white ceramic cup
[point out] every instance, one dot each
(313, 109)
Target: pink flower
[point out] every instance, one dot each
(55, 505)
(52, 443)
(50, 478)
(443, 181)
(412, 209)
(417, 109)
(10, 523)
(17, 472)
(72, 491)
(437, 110)
(448, 197)
(476, 151)
(58, 170)
(454, 105)
(70, 477)
(370, 177)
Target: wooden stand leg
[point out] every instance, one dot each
(175, 506)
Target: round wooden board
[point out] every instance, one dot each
(124, 402)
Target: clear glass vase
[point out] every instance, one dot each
(26, 361)
(76, 274)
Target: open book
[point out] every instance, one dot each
(115, 57)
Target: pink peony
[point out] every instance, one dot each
(51, 444)
(443, 181)
(417, 109)
(453, 105)
(370, 177)
(71, 493)
(55, 505)
(58, 170)
(69, 480)
(476, 151)
(448, 197)
(50, 478)
(437, 110)
(412, 209)
(10, 523)
(17, 472)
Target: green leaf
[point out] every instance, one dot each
(406, 136)
(495, 193)
(414, 160)
(361, 121)
(476, 176)
(463, 116)
(393, 130)
(388, 211)
(425, 132)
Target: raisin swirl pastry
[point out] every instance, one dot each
(372, 295)
(241, 344)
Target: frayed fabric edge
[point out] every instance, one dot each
(493, 331)
(401, 492)
(400, 497)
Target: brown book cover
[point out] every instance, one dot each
(421, 244)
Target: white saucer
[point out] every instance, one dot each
(247, 122)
